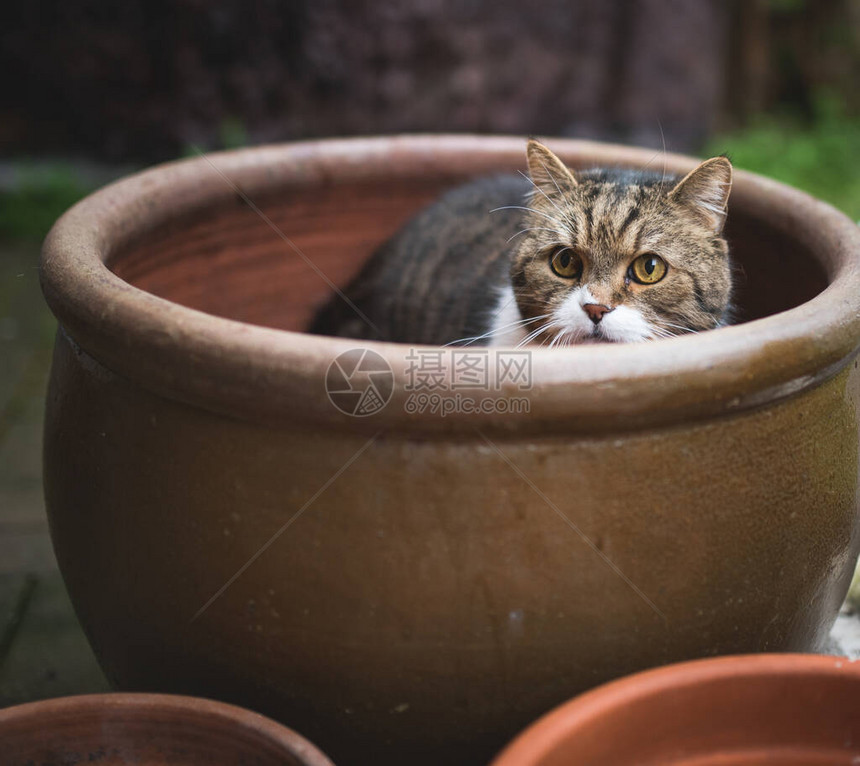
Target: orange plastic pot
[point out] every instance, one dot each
(730, 711)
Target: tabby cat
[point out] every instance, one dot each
(559, 258)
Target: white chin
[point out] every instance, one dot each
(621, 325)
(625, 325)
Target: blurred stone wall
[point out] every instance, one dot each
(145, 79)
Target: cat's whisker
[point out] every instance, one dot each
(560, 335)
(653, 157)
(523, 322)
(540, 228)
(511, 325)
(537, 333)
(547, 340)
(664, 331)
(682, 328)
(530, 337)
(530, 210)
(554, 182)
(663, 139)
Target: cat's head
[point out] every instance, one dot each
(618, 256)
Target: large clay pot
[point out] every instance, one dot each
(406, 587)
(755, 710)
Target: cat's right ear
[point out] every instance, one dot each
(547, 171)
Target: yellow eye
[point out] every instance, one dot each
(566, 263)
(647, 269)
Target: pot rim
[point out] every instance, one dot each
(539, 740)
(270, 375)
(220, 714)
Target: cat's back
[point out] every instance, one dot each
(438, 278)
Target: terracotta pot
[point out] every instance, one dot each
(731, 711)
(147, 729)
(407, 587)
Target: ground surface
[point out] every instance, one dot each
(43, 651)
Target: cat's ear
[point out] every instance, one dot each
(706, 190)
(547, 171)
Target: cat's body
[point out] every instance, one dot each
(415, 289)
(557, 259)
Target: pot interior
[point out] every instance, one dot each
(230, 262)
(118, 729)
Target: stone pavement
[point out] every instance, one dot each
(43, 651)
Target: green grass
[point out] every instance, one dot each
(822, 158)
(39, 197)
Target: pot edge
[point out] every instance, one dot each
(174, 350)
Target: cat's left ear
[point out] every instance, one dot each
(706, 190)
(547, 171)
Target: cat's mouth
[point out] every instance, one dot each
(572, 338)
(597, 335)
(594, 337)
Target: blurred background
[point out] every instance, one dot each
(91, 90)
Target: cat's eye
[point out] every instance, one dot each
(647, 269)
(566, 263)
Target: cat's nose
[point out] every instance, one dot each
(596, 311)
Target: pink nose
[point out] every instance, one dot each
(596, 311)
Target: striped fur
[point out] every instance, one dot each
(474, 267)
